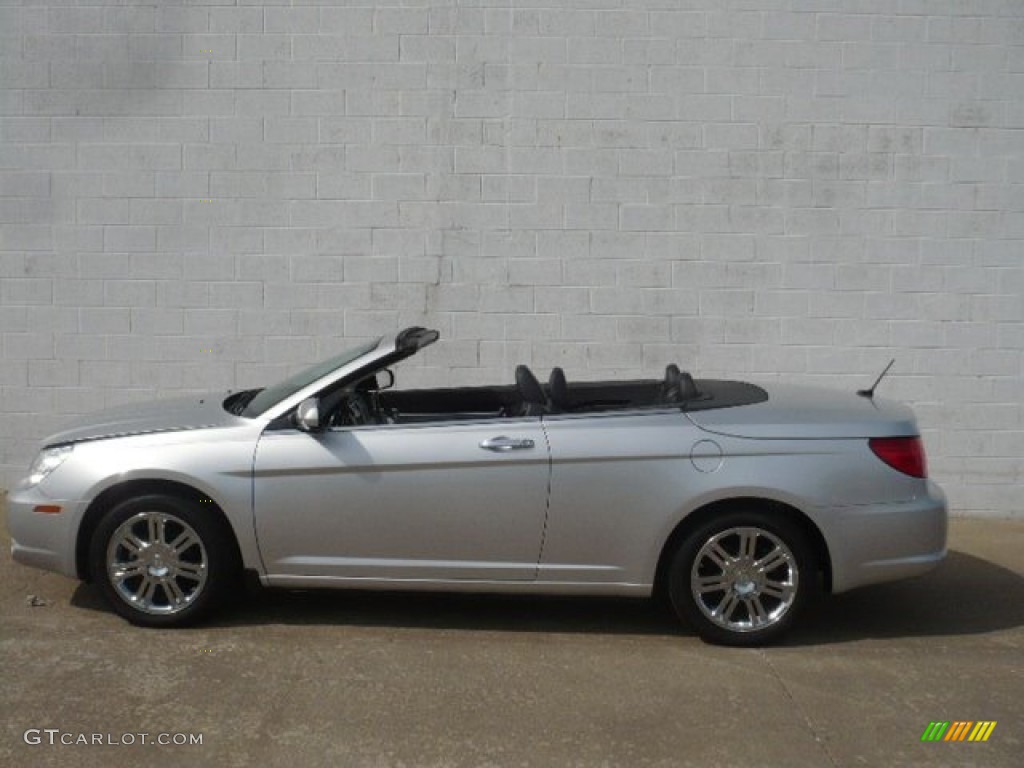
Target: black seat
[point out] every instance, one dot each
(672, 386)
(689, 387)
(533, 402)
(678, 386)
(558, 390)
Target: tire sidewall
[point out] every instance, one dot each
(686, 606)
(222, 567)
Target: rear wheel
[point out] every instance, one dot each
(742, 578)
(161, 561)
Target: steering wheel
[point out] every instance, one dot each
(355, 407)
(357, 410)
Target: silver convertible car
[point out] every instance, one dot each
(732, 501)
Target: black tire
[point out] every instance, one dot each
(163, 561)
(766, 570)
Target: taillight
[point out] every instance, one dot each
(905, 454)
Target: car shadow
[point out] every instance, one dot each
(431, 610)
(966, 595)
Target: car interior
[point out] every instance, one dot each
(367, 402)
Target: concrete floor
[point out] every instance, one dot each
(357, 679)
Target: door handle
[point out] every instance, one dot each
(501, 444)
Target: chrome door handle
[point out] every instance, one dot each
(501, 444)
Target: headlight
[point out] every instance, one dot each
(47, 461)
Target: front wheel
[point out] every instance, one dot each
(741, 578)
(162, 561)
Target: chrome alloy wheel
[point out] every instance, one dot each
(157, 563)
(744, 579)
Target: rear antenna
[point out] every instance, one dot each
(870, 393)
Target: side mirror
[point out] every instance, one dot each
(385, 379)
(307, 415)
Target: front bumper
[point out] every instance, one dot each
(43, 540)
(875, 543)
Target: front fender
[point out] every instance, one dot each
(220, 470)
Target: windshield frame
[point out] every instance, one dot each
(270, 397)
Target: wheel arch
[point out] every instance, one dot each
(114, 495)
(702, 514)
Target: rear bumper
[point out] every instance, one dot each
(875, 543)
(42, 540)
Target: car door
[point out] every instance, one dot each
(618, 483)
(437, 501)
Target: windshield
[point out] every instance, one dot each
(273, 395)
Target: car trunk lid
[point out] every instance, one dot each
(795, 412)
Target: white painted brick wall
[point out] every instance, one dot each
(209, 195)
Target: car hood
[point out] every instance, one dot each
(197, 412)
(795, 412)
